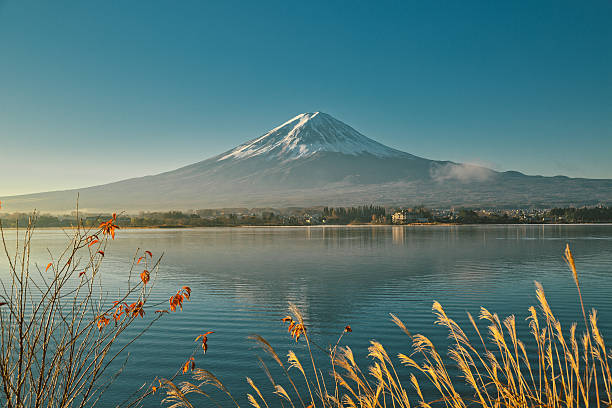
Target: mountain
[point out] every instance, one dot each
(308, 134)
(315, 159)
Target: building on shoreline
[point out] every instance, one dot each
(408, 216)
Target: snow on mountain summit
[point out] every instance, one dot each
(307, 134)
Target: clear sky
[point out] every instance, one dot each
(98, 91)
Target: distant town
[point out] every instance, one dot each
(295, 216)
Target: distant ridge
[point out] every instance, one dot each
(315, 159)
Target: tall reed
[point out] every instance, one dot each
(490, 368)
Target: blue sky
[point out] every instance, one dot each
(93, 92)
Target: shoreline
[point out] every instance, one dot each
(322, 226)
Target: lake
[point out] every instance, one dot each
(242, 280)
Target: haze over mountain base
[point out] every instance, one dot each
(314, 159)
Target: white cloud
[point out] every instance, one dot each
(464, 173)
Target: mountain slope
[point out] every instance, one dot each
(308, 134)
(315, 159)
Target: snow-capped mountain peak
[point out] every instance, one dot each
(307, 134)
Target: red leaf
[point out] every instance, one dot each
(93, 242)
(82, 273)
(139, 259)
(189, 365)
(145, 277)
(204, 338)
(48, 266)
(149, 253)
(203, 335)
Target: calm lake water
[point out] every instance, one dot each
(243, 279)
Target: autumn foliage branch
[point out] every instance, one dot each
(59, 326)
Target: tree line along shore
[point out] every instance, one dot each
(370, 214)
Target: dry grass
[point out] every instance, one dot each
(492, 368)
